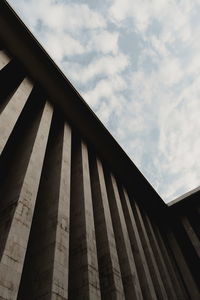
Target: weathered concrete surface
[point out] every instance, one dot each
(137, 248)
(61, 256)
(83, 265)
(159, 258)
(12, 258)
(130, 278)
(178, 285)
(46, 264)
(109, 269)
(192, 288)
(150, 257)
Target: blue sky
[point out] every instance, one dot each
(137, 64)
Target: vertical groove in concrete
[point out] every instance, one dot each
(15, 247)
(10, 78)
(191, 234)
(192, 289)
(109, 269)
(178, 285)
(12, 111)
(127, 264)
(159, 258)
(137, 248)
(4, 58)
(83, 266)
(46, 264)
(150, 256)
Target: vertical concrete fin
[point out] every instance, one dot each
(12, 111)
(46, 263)
(189, 282)
(14, 161)
(61, 257)
(178, 284)
(127, 264)
(12, 258)
(109, 269)
(150, 256)
(137, 248)
(159, 258)
(83, 266)
(191, 234)
(4, 58)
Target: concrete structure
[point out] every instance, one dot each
(77, 218)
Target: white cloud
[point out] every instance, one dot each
(105, 42)
(61, 45)
(105, 88)
(60, 15)
(107, 65)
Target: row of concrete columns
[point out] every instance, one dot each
(68, 228)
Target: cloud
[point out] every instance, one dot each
(105, 42)
(105, 88)
(59, 15)
(107, 65)
(61, 45)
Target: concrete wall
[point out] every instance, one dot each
(69, 229)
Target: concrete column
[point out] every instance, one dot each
(150, 257)
(45, 272)
(127, 264)
(12, 111)
(83, 266)
(190, 284)
(191, 234)
(170, 263)
(159, 258)
(61, 256)
(137, 248)
(12, 258)
(109, 269)
(4, 59)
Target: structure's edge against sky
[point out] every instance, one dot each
(116, 153)
(151, 112)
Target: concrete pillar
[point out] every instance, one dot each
(4, 59)
(178, 285)
(191, 234)
(150, 257)
(127, 264)
(61, 257)
(189, 282)
(159, 258)
(45, 272)
(12, 111)
(137, 248)
(83, 266)
(13, 254)
(109, 269)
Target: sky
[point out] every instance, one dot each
(137, 64)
